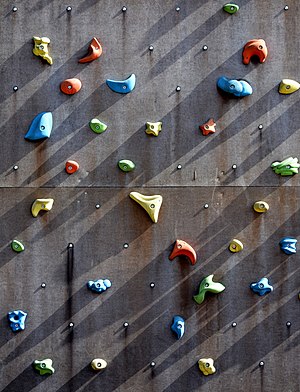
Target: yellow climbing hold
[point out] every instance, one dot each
(41, 204)
(235, 246)
(98, 364)
(41, 48)
(206, 365)
(288, 86)
(153, 128)
(151, 203)
(261, 206)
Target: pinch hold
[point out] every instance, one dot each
(94, 52)
(41, 48)
(287, 167)
(208, 127)
(178, 326)
(255, 47)
(182, 248)
(236, 87)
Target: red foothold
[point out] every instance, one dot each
(185, 249)
(71, 167)
(94, 52)
(208, 127)
(70, 86)
(255, 47)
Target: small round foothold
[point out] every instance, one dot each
(152, 285)
(234, 166)
(14, 9)
(206, 205)
(15, 88)
(288, 324)
(152, 364)
(43, 285)
(234, 324)
(261, 363)
(151, 48)
(71, 325)
(16, 167)
(125, 246)
(70, 245)
(124, 9)
(260, 126)
(69, 8)
(126, 324)
(97, 206)
(179, 167)
(205, 47)
(177, 9)
(178, 88)
(286, 7)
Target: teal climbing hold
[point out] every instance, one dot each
(126, 165)
(17, 246)
(40, 127)
(97, 126)
(122, 86)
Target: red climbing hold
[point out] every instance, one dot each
(255, 47)
(71, 167)
(94, 52)
(208, 127)
(185, 249)
(70, 86)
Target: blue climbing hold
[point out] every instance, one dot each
(17, 320)
(178, 326)
(99, 285)
(122, 86)
(40, 127)
(288, 245)
(238, 88)
(261, 287)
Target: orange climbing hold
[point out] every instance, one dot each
(71, 167)
(70, 86)
(182, 248)
(255, 47)
(208, 127)
(94, 52)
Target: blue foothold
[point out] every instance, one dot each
(238, 88)
(122, 86)
(40, 127)
(261, 287)
(99, 285)
(288, 245)
(17, 320)
(178, 326)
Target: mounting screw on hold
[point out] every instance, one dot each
(126, 324)
(205, 47)
(178, 88)
(69, 8)
(15, 88)
(261, 363)
(14, 9)
(124, 9)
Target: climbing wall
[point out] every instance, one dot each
(208, 184)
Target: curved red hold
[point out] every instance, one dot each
(185, 249)
(94, 52)
(255, 47)
(208, 127)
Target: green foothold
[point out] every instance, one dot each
(288, 167)
(126, 165)
(17, 246)
(44, 366)
(207, 284)
(97, 126)
(231, 8)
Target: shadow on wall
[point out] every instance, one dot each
(26, 381)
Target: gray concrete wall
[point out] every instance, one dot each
(206, 176)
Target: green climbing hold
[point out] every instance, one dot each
(288, 167)
(231, 8)
(44, 366)
(97, 126)
(126, 165)
(17, 246)
(207, 284)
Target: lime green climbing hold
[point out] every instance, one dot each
(231, 8)
(207, 284)
(126, 165)
(288, 167)
(97, 126)
(17, 246)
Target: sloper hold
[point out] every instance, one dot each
(151, 203)
(99, 285)
(255, 47)
(182, 248)
(41, 48)
(206, 285)
(17, 320)
(261, 287)
(72, 167)
(287, 167)
(41, 204)
(122, 86)
(94, 52)
(206, 365)
(40, 127)
(70, 86)
(126, 165)
(17, 246)
(178, 326)
(288, 245)
(98, 364)
(208, 127)
(288, 86)
(153, 128)
(231, 8)
(237, 87)
(236, 246)
(44, 366)
(97, 126)
(261, 206)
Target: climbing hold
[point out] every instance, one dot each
(288, 86)
(17, 320)
(231, 8)
(122, 86)
(97, 126)
(208, 127)
(288, 245)
(126, 165)
(71, 167)
(99, 285)
(151, 204)
(17, 246)
(41, 204)
(40, 127)
(94, 52)
(261, 287)
(44, 366)
(235, 246)
(261, 206)
(178, 326)
(236, 87)
(41, 48)
(288, 167)
(98, 364)
(255, 47)
(185, 249)
(206, 365)
(70, 86)
(207, 284)
(153, 128)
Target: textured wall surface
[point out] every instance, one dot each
(206, 176)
